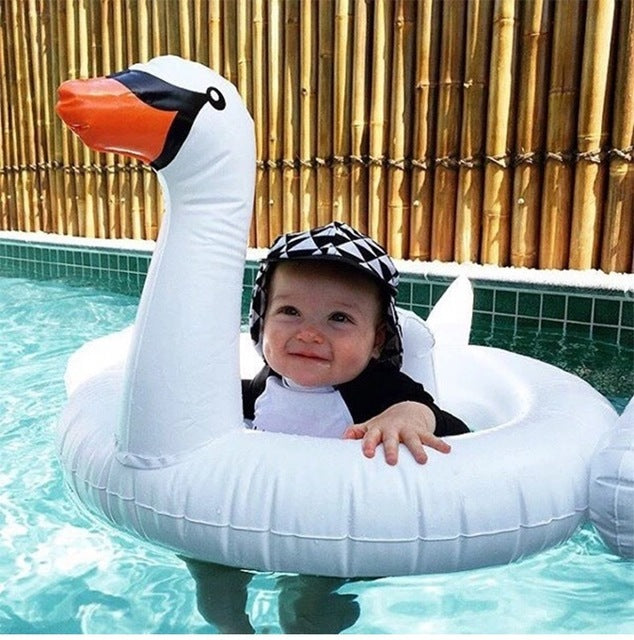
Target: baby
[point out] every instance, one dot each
(323, 316)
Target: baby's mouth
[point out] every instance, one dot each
(309, 355)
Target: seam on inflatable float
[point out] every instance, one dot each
(282, 534)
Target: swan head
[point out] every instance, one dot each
(148, 110)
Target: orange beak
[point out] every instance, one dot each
(107, 116)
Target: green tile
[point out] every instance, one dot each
(581, 329)
(506, 301)
(504, 322)
(579, 309)
(404, 296)
(627, 338)
(421, 310)
(553, 306)
(420, 293)
(529, 304)
(607, 311)
(483, 299)
(437, 291)
(482, 321)
(627, 314)
(525, 324)
(552, 326)
(605, 334)
(249, 274)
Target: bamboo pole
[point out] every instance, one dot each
(324, 110)
(592, 136)
(134, 208)
(616, 254)
(260, 82)
(14, 113)
(341, 86)
(472, 136)
(398, 182)
(426, 74)
(7, 201)
(148, 204)
(201, 31)
(359, 115)
(172, 25)
(379, 120)
(215, 35)
(36, 38)
(158, 43)
(527, 180)
(69, 210)
(290, 135)
(96, 68)
(23, 123)
(112, 216)
(230, 49)
(245, 70)
(79, 152)
(244, 63)
(308, 114)
(497, 174)
(159, 47)
(275, 113)
(52, 122)
(448, 135)
(122, 164)
(57, 133)
(560, 135)
(88, 223)
(185, 48)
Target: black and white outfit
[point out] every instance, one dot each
(273, 403)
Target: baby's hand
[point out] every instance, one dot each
(411, 423)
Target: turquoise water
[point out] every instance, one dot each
(63, 571)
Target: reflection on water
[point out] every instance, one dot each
(607, 367)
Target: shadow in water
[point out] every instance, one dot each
(306, 604)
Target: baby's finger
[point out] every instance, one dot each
(415, 446)
(390, 450)
(355, 432)
(370, 442)
(436, 443)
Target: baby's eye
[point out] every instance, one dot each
(288, 310)
(339, 316)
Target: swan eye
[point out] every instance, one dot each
(216, 99)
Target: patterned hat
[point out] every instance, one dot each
(339, 243)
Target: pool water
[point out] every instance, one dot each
(64, 571)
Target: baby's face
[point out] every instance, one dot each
(320, 328)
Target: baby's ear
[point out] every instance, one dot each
(379, 340)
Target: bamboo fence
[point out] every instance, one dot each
(492, 131)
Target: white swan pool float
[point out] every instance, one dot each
(152, 439)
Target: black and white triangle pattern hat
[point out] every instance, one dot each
(337, 242)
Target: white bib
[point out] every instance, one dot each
(289, 408)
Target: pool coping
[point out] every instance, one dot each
(591, 303)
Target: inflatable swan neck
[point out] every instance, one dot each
(190, 123)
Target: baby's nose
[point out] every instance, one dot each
(310, 333)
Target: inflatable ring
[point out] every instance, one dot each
(157, 446)
(612, 485)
